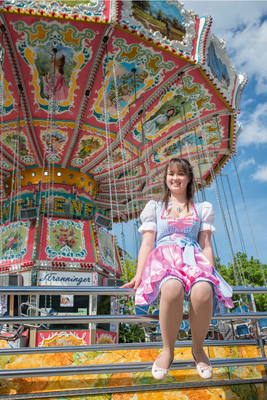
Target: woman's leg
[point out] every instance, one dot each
(170, 318)
(201, 299)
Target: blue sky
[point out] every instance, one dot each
(243, 25)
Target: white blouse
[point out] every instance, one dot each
(149, 218)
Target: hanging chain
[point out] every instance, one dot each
(252, 233)
(217, 193)
(123, 161)
(108, 139)
(1, 150)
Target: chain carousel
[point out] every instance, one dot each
(95, 98)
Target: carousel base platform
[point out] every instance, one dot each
(132, 380)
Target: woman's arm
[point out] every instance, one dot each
(145, 249)
(204, 243)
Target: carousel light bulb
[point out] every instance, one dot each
(45, 173)
(58, 173)
(33, 174)
(21, 177)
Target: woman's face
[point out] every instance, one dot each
(177, 180)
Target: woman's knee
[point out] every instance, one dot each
(202, 292)
(172, 290)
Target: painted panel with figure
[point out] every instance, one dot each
(129, 64)
(160, 16)
(55, 56)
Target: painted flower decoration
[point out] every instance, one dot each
(65, 237)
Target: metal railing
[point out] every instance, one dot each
(127, 319)
(122, 346)
(100, 290)
(120, 367)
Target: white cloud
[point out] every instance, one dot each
(260, 174)
(244, 29)
(245, 101)
(246, 164)
(254, 126)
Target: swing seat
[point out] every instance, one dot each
(11, 334)
(49, 313)
(263, 326)
(242, 332)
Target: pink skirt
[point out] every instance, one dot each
(167, 262)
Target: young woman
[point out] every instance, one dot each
(180, 267)
(55, 81)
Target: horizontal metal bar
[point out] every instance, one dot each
(128, 319)
(57, 290)
(122, 346)
(81, 393)
(99, 290)
(122, 368)
(249, 290)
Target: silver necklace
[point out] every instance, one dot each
(179, 210)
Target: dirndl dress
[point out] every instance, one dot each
(177, 254)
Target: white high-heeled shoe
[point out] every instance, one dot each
(160, 373)
(204, 372)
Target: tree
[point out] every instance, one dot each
(252, 273)
(144, 5)
(159, 15)
(129, 333)
(175, 23)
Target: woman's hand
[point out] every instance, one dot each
(135, 282)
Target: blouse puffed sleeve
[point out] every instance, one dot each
(208, 218)
(148, 217)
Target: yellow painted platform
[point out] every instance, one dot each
(58, 384)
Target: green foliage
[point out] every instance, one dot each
(144, 5)
(16, 142)
(252, 273)
(129, 333)
(87, 147)
(125, 86)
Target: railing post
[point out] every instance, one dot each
(256, 326)
(92, 311)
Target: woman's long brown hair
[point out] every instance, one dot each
(177, 164)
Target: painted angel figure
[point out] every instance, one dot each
(56, 81)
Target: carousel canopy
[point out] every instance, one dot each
(99, 95)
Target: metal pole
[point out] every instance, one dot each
(121, 368)
(122, 347)
(99, 290)
(128, 319)
(257, 329)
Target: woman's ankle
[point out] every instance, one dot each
(197, 350)
(168, 352)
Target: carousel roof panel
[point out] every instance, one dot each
(91, 143)
(115, 89)
(53, 141)
(125, 55)
(16, 146)
(42, 46)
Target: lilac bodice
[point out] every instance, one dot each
(180, 231)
